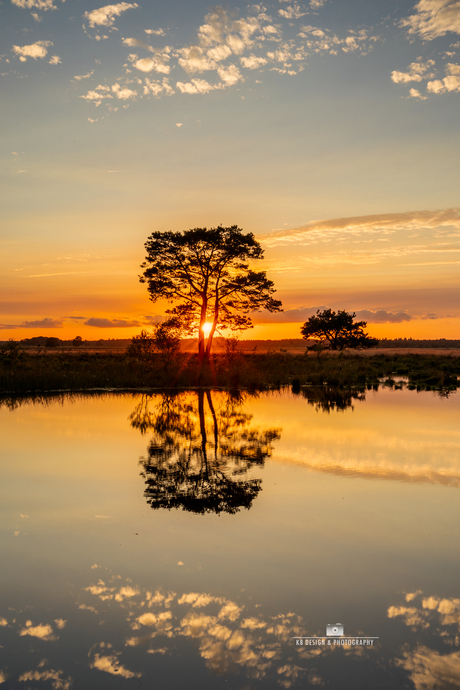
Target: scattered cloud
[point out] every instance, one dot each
(44, 632)
(301, 314)
(34, 50)
(57, 678)
(105, 16)
(43, 5)
(253, 62)
(55, 60)
(110, 664)
(43, 323)
(415, 93)
(155, 32)
(416, 72)
(196, 86)
(433, 18)
(382, 316)
(152, 64)
(450, 83)
(79, 77)
(388, 222)
(292, 12)
(157, 88)
(111, 323)
(123, 93)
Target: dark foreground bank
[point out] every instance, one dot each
(23, 373)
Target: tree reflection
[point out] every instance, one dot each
(200, 453)
(328, 398)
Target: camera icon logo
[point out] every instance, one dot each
(334, 629)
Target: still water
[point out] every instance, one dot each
(196, 540)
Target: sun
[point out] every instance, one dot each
(206, 328)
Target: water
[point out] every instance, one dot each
(186, 541)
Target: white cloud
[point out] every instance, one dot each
(43, 5)
(449, 83)
(434, 18)
(292, 12)
(58, 681)
(55, 60)
(105, 16)
(37, 17)
(34, 50)
(195, 86)
(95, 96)
(253, 62)
(79, 77)
(179, 124)
(316, 4)
(137, 43)
(44, 632)
(123, 94)
(110, 664)
(230, 75)
(157, 88)
(155, 32)
(152, 64)
(415, 93)
(417, 72)
(388, 223)
(195, 59)
(220, 52)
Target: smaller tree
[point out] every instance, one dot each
(337, 329)
(165, 340)
(77, 341)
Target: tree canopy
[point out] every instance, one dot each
(338, 329)
(206, 274)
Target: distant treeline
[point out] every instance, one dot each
(288, 343)
(441, 343)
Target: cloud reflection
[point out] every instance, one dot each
(227, 640)
(430, 669)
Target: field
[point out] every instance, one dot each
(24, 372)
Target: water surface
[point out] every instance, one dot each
(185, 540)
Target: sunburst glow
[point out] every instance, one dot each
(206, 328)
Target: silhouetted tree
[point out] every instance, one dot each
(206, 273)
(164, 339)
(337, 329)
(197, 459)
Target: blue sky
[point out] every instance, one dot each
(122, 119)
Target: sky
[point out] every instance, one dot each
(328, 128)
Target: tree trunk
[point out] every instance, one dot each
(201, 344)
(212, 331)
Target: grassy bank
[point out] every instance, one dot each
(22, 373)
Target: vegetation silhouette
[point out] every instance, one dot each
(329, 398)
(337, 330)
(200, 454)
(206, 274)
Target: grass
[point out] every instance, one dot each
(21, 373)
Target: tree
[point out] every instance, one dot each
(338, 329)
(165, 339)
(206, 274)
(77, 341)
